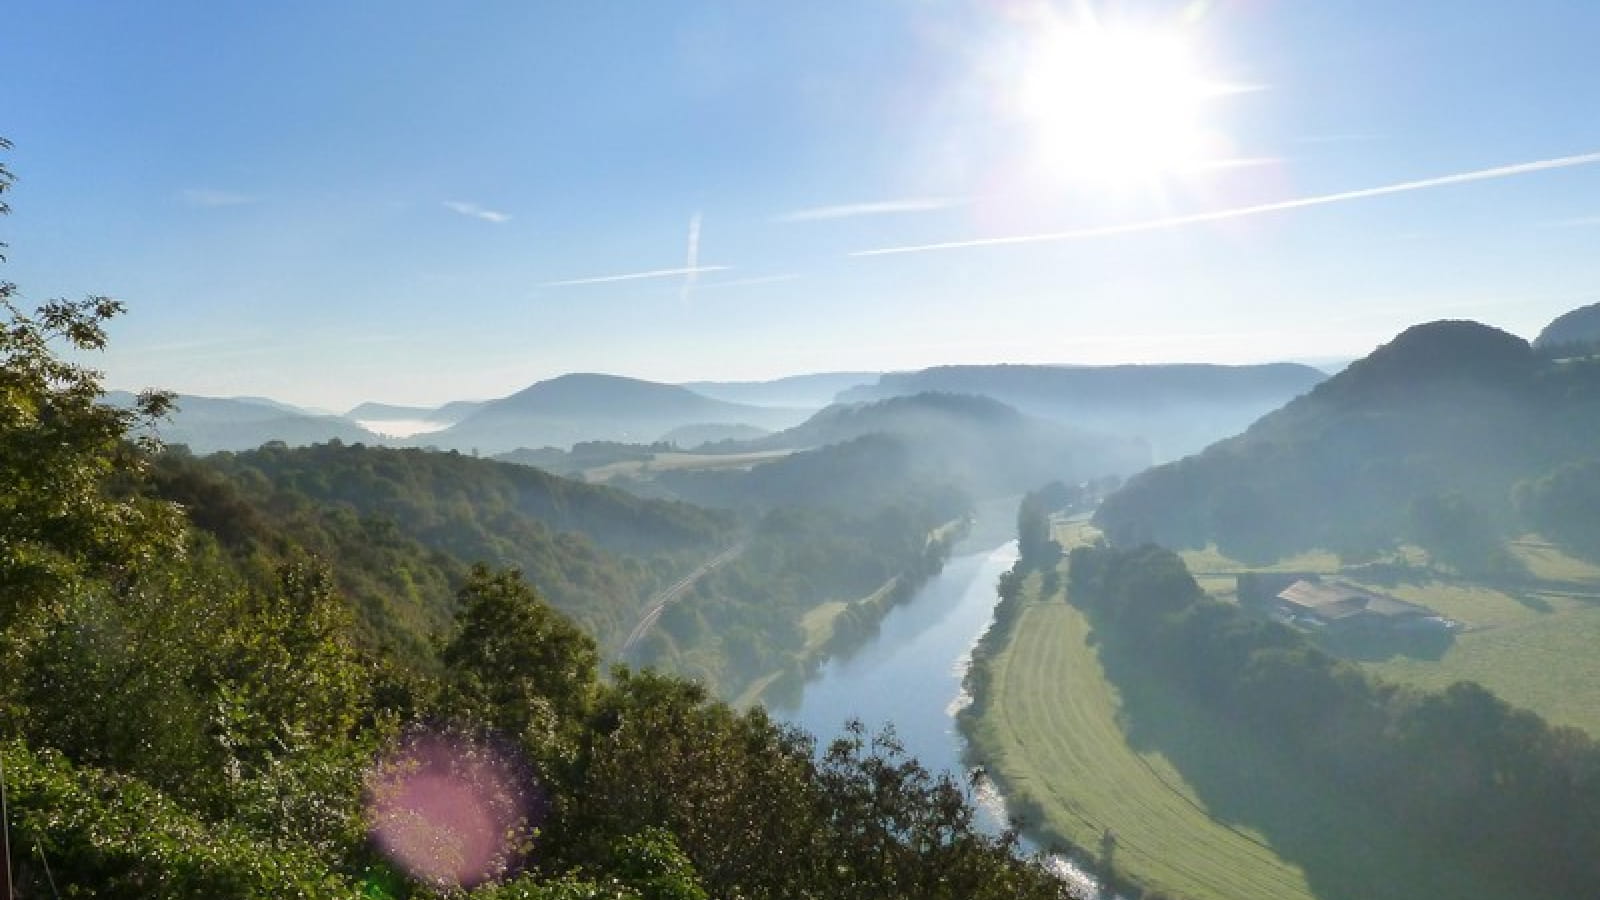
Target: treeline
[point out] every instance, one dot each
(1489, 785)
(184, 721)
(980, 671)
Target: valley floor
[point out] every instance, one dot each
(1083, 741)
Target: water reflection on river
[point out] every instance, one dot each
(910, 675)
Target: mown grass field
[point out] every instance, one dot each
(1083, 740)
(1532, 643)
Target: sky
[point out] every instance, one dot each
(328, 203)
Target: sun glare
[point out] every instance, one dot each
(1116, 104)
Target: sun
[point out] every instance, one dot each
(1116, 104)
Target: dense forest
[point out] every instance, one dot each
(183, 720)
(400, 528)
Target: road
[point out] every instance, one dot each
(675, 591)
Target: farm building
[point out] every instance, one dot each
(1324, 604)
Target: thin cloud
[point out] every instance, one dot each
(691, 264)
(475, 211)
(208, 198)
(1240, 212)
(879, 208)
(750, 282)
(635, 276)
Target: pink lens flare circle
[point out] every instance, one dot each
(451, 811)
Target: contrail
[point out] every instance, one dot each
(877, 208)
(1239, 212)
(691, 266)
(634, 276)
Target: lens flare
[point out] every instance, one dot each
(452, 812)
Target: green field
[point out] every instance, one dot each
(1531, 642)
(1083, 741)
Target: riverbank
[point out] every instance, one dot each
(839, 628)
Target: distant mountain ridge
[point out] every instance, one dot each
(1174, 408)
(592, 407)
(1178, 408)
(210, 424)
(814, 390)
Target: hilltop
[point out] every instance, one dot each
(1577, 329)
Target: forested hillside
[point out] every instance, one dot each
(980, 445)
(399, 529)
(1426, 439)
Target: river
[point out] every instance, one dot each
(910, 675)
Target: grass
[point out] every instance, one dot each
(1053, 734)
(1085, 740)
(1545, 661)
(1532, 641)
(1545, 560)
(817, 623)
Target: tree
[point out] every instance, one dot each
(1458, 533)
(515, 663)
(1034, 541)
(1564, 505)
(71, 511)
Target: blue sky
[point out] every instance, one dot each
(408, 202)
